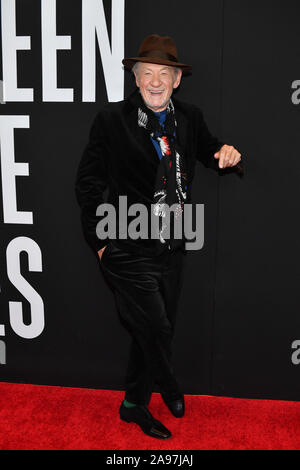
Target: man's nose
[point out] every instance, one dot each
(155, 80)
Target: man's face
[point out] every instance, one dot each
(156, 83)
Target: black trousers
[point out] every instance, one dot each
(146, 291)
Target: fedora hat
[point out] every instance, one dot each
(157, 49)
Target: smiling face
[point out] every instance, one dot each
(156, 83)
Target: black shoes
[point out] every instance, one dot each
(140, 415)
(175, 404)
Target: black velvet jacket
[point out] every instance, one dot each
(120, 157)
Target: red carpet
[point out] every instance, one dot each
(36, 417)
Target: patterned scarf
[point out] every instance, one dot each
(171, 178)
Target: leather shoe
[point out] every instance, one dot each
(175, 404)
(140, 415)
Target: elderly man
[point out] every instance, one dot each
(145, 148)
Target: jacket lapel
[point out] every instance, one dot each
(182, 125)
(139, 133)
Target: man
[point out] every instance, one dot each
(145, 148)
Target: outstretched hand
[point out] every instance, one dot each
(228, 156)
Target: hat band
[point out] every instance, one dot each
(157, 54)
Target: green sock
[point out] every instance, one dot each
(127, 404)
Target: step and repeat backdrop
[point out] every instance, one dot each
(238, 329)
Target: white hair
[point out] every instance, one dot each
(135, 69)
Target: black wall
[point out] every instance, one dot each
(238, 314)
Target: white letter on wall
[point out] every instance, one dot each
(93, 20)
(10, 169)
(37, 324)
(10, 45)
(50, 44)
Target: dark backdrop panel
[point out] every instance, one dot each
(238, 311)
(197, 31)
(78, 344)
(257, 307)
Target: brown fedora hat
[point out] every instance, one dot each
(157, 49)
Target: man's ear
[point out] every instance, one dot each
(178, 79)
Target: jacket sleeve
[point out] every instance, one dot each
(208, 145)
(91, 182)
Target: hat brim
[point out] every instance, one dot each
(130, 61)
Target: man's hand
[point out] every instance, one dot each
(228, 156)
(100, 252)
